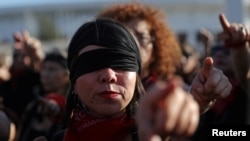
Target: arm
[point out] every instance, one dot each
(237, 37)
(241, 62)
(169, 111)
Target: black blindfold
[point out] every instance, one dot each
(120, 49)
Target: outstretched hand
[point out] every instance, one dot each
(210, 83)
(167, 110)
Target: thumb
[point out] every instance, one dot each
(206, 69)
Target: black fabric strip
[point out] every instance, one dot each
(105, 33)
(103, 58)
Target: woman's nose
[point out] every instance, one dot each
(108, 75)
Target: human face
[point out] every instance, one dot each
(106, 92)
(54, 77)
(141, 30)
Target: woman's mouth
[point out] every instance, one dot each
(109, 94)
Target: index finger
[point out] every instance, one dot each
(206, 69)
(160, 90)
(26, 35)
(224, 22)
(17, 37)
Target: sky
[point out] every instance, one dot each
(10, 3)
(14, 3)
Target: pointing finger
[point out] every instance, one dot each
(224, 22)
(206, 68)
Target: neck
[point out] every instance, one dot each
(107, 116)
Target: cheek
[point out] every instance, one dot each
(129, 83)
(62, 79)
(83, 87)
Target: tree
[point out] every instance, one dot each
(47, 29)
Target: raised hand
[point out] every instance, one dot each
(167, 110)
(209, 84)
(234, 34)
(31, 46)
(25, 41)
(206, 37)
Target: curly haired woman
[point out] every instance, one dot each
(159, 49)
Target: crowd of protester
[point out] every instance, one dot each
(176, 92)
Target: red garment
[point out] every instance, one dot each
(61, 101)
(86, 127)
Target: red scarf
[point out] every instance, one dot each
(59, 98)
(88, 128)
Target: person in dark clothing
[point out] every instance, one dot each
(43, 115)
(24, 83)
(233, 110)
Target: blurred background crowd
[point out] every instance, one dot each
(54, 22)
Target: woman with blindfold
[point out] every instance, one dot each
(105, 65)
(107, 100)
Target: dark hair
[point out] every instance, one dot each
(57, 56)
